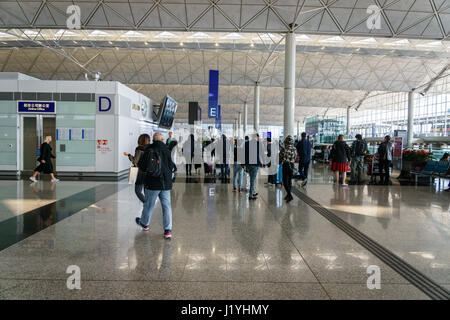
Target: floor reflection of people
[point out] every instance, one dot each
(47, 213)
(356, 199)
(244, 228)
(340, 195)
(384, 207)
(150, 257)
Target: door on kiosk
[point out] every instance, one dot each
(34, 130)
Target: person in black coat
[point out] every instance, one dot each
(341, 156)
(45, 161)
(157, 187)
(143, 140)
(188, 152)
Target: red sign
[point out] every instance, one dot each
(398, 147)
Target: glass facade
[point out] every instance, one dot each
(382, 114)
(80, 152)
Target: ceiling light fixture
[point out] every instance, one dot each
(233, 36)
(302, 37)
(333, 39)
(99, 33)
(6, 35)
(366, 41)
(431, 44)
(65, 33)
(266, 36)
(166, 35)
(399, 42)
(132, 34)
(199, 35)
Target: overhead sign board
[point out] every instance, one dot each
(213, 93)
(36, 106)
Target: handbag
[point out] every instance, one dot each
(133, 175)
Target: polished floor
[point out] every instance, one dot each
(224, 246)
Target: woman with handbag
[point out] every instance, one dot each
(288, 153)
(143, 140)
(45, 161)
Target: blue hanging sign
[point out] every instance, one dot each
(36, 106)
(213, 93)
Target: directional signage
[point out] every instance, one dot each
(213, 93)
(36, 106)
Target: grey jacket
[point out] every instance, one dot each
(385, 151)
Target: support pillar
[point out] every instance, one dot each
(348, 121)
(289, 84)
(410, 128)
(256, 109)
(245, 118)
(239, 124)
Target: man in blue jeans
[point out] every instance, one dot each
(252, 162)
(304, 152)
(157, 185)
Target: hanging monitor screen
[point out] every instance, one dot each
(167, 111)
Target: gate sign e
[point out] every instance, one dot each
(36, 106)
(213, 93)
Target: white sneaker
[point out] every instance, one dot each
(345, 185)
(33, 179)
(55, 180)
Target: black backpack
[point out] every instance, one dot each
(360, 147)
(150, 164)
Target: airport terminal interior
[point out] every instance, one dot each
(95, 75)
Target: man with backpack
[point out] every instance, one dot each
(157, 165)
(359, 148)
(385, 151)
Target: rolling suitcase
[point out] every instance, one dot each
(279, 179)
(208, 168)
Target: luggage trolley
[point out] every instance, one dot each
(373, 169)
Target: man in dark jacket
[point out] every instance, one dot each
(304, 152)
(385, 151)
(252, 162)
(359, 148)
(157, 186)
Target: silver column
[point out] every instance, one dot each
(289, 84)
(239, 124)
(348, 121)
(410, 119)
(256, 109)
(245, 118)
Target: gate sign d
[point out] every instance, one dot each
(104, 104)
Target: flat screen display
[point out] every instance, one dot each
(168, 110)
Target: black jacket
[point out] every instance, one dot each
(45, 152)
(340, 152)
(165, 181)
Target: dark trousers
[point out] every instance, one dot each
(272, 178)
(384, 171)
(303, 168)
(224, 170)
(139, 190)
(189, 169)
(287, 177)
